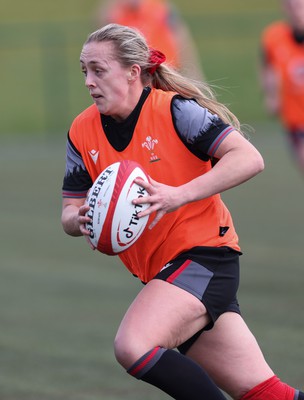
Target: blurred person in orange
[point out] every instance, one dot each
(163, 27)
(282, 73)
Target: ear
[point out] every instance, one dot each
(134, 73)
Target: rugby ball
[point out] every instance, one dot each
(115, 225)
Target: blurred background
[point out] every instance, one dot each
(60, 303)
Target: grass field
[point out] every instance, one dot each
(60, 302)
(40, 43)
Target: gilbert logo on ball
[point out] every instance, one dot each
(115, 223)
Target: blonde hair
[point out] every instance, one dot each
(131, 48)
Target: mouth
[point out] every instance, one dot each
(95, 96)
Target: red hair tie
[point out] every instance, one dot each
(156, 58)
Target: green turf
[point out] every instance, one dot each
(42, 88)
(61, 303)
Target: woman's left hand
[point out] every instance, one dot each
(162, 199)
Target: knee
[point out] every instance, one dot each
(128, 350)
(123, 352)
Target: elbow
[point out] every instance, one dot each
(258, 164)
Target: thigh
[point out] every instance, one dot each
(209, 273)
(161, 315)
(231, 355)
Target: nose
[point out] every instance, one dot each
(89, 81)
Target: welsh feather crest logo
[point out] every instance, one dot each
(149, 144)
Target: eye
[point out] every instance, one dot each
(84, 72)
(98, 71)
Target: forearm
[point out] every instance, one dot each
(230, 171)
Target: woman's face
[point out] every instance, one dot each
(108, 82)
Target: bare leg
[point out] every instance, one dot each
(161, 315)
(231, 356)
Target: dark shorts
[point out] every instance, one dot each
(209, 273)
(296, 137)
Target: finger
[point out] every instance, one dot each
(83, 224)
(157, 218)
(83, 221)
(142, 183)
(153, 182)
(142, 200)
(149, 210)
(83, 230)
(83, 210)
(90, 243)
(149, 186)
